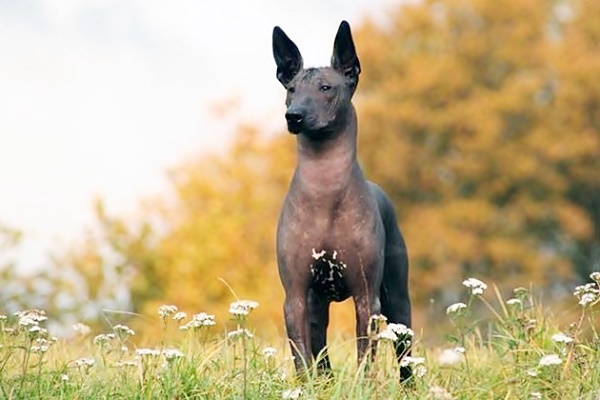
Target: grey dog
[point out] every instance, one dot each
(337, 235)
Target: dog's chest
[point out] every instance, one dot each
(328, 275)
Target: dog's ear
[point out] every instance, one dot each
(344, 58)
(287, 56)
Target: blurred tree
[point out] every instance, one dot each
(479, 118)
(81, 285)
(573, 142)
(465, 119)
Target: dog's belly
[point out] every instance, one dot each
(328, 275)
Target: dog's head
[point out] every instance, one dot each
(318, 99)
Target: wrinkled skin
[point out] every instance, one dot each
(337, 235)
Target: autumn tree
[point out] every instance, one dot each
(480, 119)
(466, 121)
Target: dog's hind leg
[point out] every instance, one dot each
(395, 300)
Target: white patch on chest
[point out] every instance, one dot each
(328, 274)
(316, 255)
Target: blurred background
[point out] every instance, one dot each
(144, 158)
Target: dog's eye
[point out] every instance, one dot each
(324, 88)
(291, 89)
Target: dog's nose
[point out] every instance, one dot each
(294, 117)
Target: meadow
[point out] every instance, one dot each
(517, 349)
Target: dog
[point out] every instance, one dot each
(337, 235)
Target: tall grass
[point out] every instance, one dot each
(515, 351)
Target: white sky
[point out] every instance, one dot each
(98, 98)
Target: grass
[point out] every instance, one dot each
(514, 351)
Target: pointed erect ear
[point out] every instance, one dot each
(287, 56)
(344, 58)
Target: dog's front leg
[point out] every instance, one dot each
(296, 322)
(366, 304)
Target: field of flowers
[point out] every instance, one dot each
(518, 352)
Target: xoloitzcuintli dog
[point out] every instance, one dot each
(337, 235)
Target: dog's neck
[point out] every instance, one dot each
(328, 165)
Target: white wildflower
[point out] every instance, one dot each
(532, 372)
(595, 276)
(587, 294)
(550, 359)
(126, 363)
(477, 287)
(35, 330)
(85, 362)
(412, 361)
(166, 311)
(535, 395)
(123, 330)
(291, 394)
(64, 377)
(456, 308)
(39, 349)
(562, 338)
(451, 356)
(400, 330)
(81, 329)
(31, 317)
(198, 321)
(240, 333)
(3, 317)
(269, 352)
(147, 352)
(103, 339)
(587, 298)
(387, 334)
(241, 308)
(172, 354)
(514, 302)
(179, 316)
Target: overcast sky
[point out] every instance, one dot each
(98, 98)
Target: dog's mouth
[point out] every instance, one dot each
(294, 127)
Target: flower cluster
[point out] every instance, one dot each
(452, 356)
(103, 339)
(589, 294)
(269, 352)
(179, 316)
(241, 309)
(123, 331)
(199, 321)
(475, 285)
(145, 352)
(456, 309)
(30, 317)
(549, 360)
(84, 364)
(562, 338)
(240, 333)
(417, 363)
(396, 333)
(165, 311)
(172, 354)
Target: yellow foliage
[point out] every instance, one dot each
(479, 118)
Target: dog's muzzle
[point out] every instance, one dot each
(295, 120)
